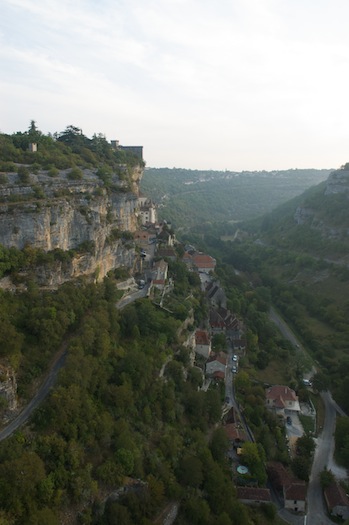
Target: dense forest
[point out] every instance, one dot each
(128, 431)
(114, 421)
(191, 197)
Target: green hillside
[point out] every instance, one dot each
(69, 149)
(191, 197)
(300, 254)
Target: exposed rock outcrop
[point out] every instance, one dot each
(338, 182)
(83, 217)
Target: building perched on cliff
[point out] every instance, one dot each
(134, 150)
(202, 343)
(147, 210)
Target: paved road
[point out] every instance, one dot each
(323, 458)
(38, 398)
(316, 510)
(138, 294)
(283, 327)
(50, 380)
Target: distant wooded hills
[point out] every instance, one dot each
(317, 222)
(298, 255)
(190, 197)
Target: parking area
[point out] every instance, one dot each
(293, 425)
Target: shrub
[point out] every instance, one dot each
(53, 172)
(75, 174)
(9, 167)
(23, 174)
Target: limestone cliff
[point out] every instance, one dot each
(81, 216)
(326, 210)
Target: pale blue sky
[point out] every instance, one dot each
(225, 84)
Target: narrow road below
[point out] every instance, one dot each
(51, 377)
(39, 396)
(323, 457)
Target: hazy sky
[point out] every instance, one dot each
(220, 84)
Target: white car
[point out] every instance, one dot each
(235, 357)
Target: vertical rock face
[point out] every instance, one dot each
(66, 223)
(338, 182)
(83, 217)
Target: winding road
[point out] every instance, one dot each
(42, 392)
(51, 377)
(323, 457)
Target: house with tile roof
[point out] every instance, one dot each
(222, 320)
(160, 269)
(253, 495)
(235, 434)
(166, 237)
(202, 343)
(292, 489)
(216, 295)
(216, 321)
(146, 210)
(204, 263)
(278, 475)
(216, 365)
(337, 501)
(282, 399)
(295, 496)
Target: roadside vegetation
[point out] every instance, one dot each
(113, 419)
(301, 281)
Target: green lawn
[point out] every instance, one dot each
(308, 423)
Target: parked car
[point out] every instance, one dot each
(235, 357)
(141, 284)
(289, 420)
(234, 369)
(307, 382)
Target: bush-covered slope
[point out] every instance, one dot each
(63, 150)
(300, 252)
(189, 197)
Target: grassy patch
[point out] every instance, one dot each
(308, 423)
(320, 411)
(334, 288)
(261, 517)
(274, 374)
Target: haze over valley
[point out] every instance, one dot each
(173, 343)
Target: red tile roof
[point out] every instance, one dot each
(278, 474)
(204, 261)
(219, 375)
(253, 494)
(202, 337)
(297, 491)
(221, 357)
(279, 394)
(336, 496)
(235, 433)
